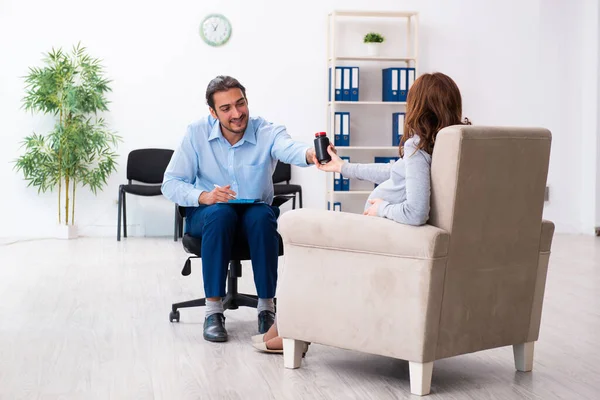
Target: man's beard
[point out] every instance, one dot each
(235, 128)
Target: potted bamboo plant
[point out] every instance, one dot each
(79, 150)
(373, 41)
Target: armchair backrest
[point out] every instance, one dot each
(488, 186)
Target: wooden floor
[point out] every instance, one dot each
(88, 319)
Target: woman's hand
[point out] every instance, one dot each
(372, 211)
(335, 165)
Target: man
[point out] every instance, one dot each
(224, 156)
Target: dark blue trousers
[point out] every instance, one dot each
(218, 225)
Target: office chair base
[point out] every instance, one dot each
(232, 300)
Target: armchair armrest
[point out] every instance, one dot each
(359, 233)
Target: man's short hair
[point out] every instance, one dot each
(222, 83)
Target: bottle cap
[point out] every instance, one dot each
(319, 134)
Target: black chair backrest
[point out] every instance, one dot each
(283, 172)
(148, 165)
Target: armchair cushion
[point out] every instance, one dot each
(338, 231)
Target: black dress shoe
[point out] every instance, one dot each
(214, 328)
(266, 319)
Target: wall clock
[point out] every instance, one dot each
(215, 30)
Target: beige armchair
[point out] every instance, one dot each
(470, 280)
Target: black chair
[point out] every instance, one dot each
(146, 166)
(283, 173)
(241, 252)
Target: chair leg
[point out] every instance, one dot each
(245, 300)
(300, 197)
(119, 214)
(176, 228)
(523, 356)
(292, 353)
(124, 215)
(294, 202)
(420, 377)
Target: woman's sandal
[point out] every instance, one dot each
(262, 346)
(258, 338)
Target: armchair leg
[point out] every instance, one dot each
(300, 197)
(292, 353)
(420, 377)
(523, 356)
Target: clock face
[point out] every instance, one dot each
(215, 29)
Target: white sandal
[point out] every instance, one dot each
(262, 346)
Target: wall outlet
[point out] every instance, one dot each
(547, 194)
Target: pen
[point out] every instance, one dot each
(230, 195)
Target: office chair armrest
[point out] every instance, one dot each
(360, 233)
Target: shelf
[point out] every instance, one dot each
(366, 147)
(379, 14)
(366, 58)
(351, 192)
(374, 103)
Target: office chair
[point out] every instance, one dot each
(283, 173)
(240, 252)
(146, 166)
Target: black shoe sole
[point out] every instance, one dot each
(215, 340)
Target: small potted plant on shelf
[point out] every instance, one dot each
(373, 41)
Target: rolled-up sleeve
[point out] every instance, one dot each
(180, 175)
(288, 150)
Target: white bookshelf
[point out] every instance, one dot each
(403, 46)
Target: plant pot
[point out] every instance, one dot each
(373, 49)
(65, 232)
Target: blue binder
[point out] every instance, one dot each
(397, 127)
(402, 84)
(345, 128)
(337, 181)
(389, 84)
(338, 84)
(412, 72)
(345, 182)
(346, 83)
(354, 84)
(337, 129)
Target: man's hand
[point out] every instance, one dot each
(217, 195)
(372, 211)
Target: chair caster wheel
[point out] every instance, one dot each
(174, 316)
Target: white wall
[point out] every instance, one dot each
(502, 54)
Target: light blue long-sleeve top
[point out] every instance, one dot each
(205, 158)
(404, 186)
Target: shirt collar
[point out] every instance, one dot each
(249, 134)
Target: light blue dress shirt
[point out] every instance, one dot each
(206, 158)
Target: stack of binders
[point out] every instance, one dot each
(346, 83)
(342, 129)
(337, 206)
(396, 82)
(341, 184)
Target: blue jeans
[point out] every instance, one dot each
(218, 225)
